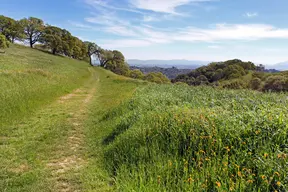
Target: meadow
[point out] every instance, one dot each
(178, 138)
(66, 126)
(30, 78)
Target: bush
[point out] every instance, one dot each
(276, 83)
(156, 78)
(201, 80)
(136, 74)
(3, 42)
(255, 83)
(260, 75)
(235, 84)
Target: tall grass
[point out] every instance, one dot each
(177, 138)
(30, 78)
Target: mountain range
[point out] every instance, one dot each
(180, 64)
(188, 64)
(281, 66)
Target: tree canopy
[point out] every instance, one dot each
(33, 29)
(60, 41)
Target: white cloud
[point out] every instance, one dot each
(104, 4)
(251, 14)
(148, 18)
(121, 30)
(214, 46)
(163, 6)
(224, 32)
(218, 33)
(124, 43)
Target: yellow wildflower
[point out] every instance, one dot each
(159, 179)
(250, 181)
(169, 163)
(218, 184)
(278, 183)
(276, 173)
(263, 177)
(190, 180)
(227, 148)
(239, 174)
(257, 132)
(265, 155)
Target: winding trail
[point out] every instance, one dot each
(58, 148)
(70, 158)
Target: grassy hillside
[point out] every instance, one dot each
(180, 138)
(30, 78)
(66, 126)
(236, 74)
(51, 112)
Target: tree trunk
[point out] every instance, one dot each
(31, 41)
(54, 51)
(91, 61)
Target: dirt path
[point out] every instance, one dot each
(69, 157)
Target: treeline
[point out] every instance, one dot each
(60, 41)
(235, 74)
(171, 72)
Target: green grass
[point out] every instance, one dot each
(178, 138)
(112, 90)
(136, 136)
(30, 78)
(35, 125)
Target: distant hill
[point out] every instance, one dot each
(180, 64)
(236, 74)
(281, 66)
(171, 72)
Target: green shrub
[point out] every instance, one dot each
(156, 77)
(235, 84)
(3, 42)
(255, 83)
(201, 80)
(136, 74)
(276, 83)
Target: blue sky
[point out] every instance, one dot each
(209, 30)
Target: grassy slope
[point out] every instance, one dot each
(112, 90)
(30, 78)
(30, 126)
(37, 126)
(178, 138)
(159, 140)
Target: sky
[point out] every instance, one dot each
(206, 30)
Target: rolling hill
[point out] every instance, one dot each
(67, 126)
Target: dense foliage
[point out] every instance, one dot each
(236, 74)
(60, 41)
(178, 138)
(171, 72)
(216, 71)
(3, 42)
